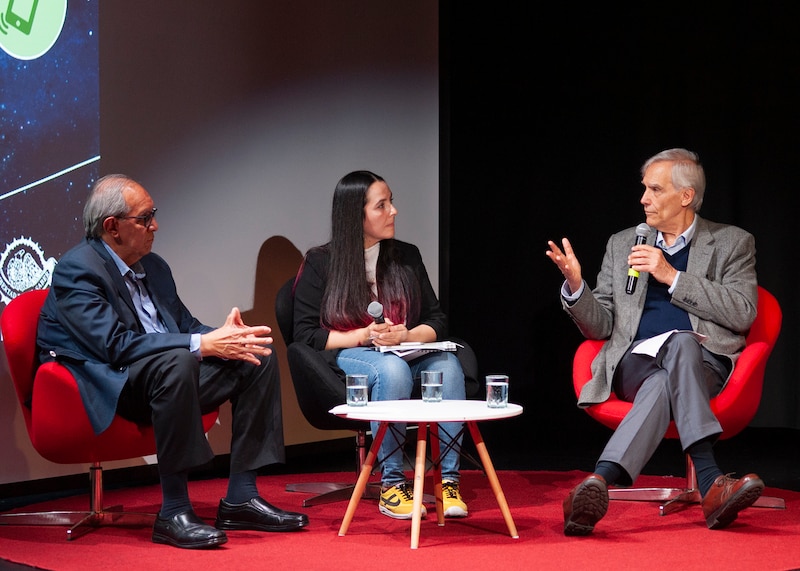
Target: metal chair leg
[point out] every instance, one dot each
(82, 522)
(675, 499)
(329, 492)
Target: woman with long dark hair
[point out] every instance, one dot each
(362, 263)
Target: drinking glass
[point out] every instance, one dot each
(431, 386)
(497, 391)
(357, 390)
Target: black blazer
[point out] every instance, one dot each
(310, 287)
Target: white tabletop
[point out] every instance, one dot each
(415, 410)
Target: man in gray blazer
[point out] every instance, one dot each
(694, 277)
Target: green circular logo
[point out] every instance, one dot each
(29, 28)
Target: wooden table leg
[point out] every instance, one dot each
(363, 477)
(419, 484)
(437, 472)
(488, 467)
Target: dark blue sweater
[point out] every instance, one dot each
(659, 314)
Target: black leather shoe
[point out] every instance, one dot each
(258, 515)
(585, 505)
(188, 531)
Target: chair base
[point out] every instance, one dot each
(81, 522)
(675, 499)
(329, 492)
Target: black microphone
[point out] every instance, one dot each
(375, 309)
(642, 230)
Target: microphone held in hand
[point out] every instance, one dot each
(375, 309)
(642, 231)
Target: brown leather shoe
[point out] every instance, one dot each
(728, 496)
(585, 505)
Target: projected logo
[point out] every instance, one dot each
(29, 28)
(23, 268)
(49, 134)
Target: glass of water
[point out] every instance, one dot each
(431, 386)
(497, 391)
(357, 390)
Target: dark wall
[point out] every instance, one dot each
(549, 119)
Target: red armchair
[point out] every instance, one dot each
(59, 428)
(734, 407)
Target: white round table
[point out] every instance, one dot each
(427, 416)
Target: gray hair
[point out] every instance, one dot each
(106, 199)
(687, 172)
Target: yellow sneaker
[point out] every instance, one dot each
(452, 503)
(398, 501)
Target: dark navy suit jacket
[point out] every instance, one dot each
(90, 325)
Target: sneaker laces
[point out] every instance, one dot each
(405, 490)
(450, 490)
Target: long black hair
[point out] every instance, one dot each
(347, 292)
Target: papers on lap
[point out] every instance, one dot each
(652, 345)
(409, 351)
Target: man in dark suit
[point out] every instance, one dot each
(114, 319)
(696, 276)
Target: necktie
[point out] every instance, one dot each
(144, 306)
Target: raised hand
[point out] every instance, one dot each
(567, 262)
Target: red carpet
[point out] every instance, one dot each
(631, 536)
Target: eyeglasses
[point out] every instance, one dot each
(145, 219)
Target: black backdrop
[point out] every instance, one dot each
(546, 120)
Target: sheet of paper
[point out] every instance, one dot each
(410, 351)
(413, 346)
(653, 344)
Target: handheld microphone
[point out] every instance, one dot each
(642, 231)
(375, 309)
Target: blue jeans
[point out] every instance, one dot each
(391, 378)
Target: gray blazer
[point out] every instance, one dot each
(719, 290)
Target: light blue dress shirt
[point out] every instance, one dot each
(145, 308)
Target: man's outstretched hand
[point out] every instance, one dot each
(567, 262)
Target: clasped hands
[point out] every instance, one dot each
(235, 340)
(386, 333)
